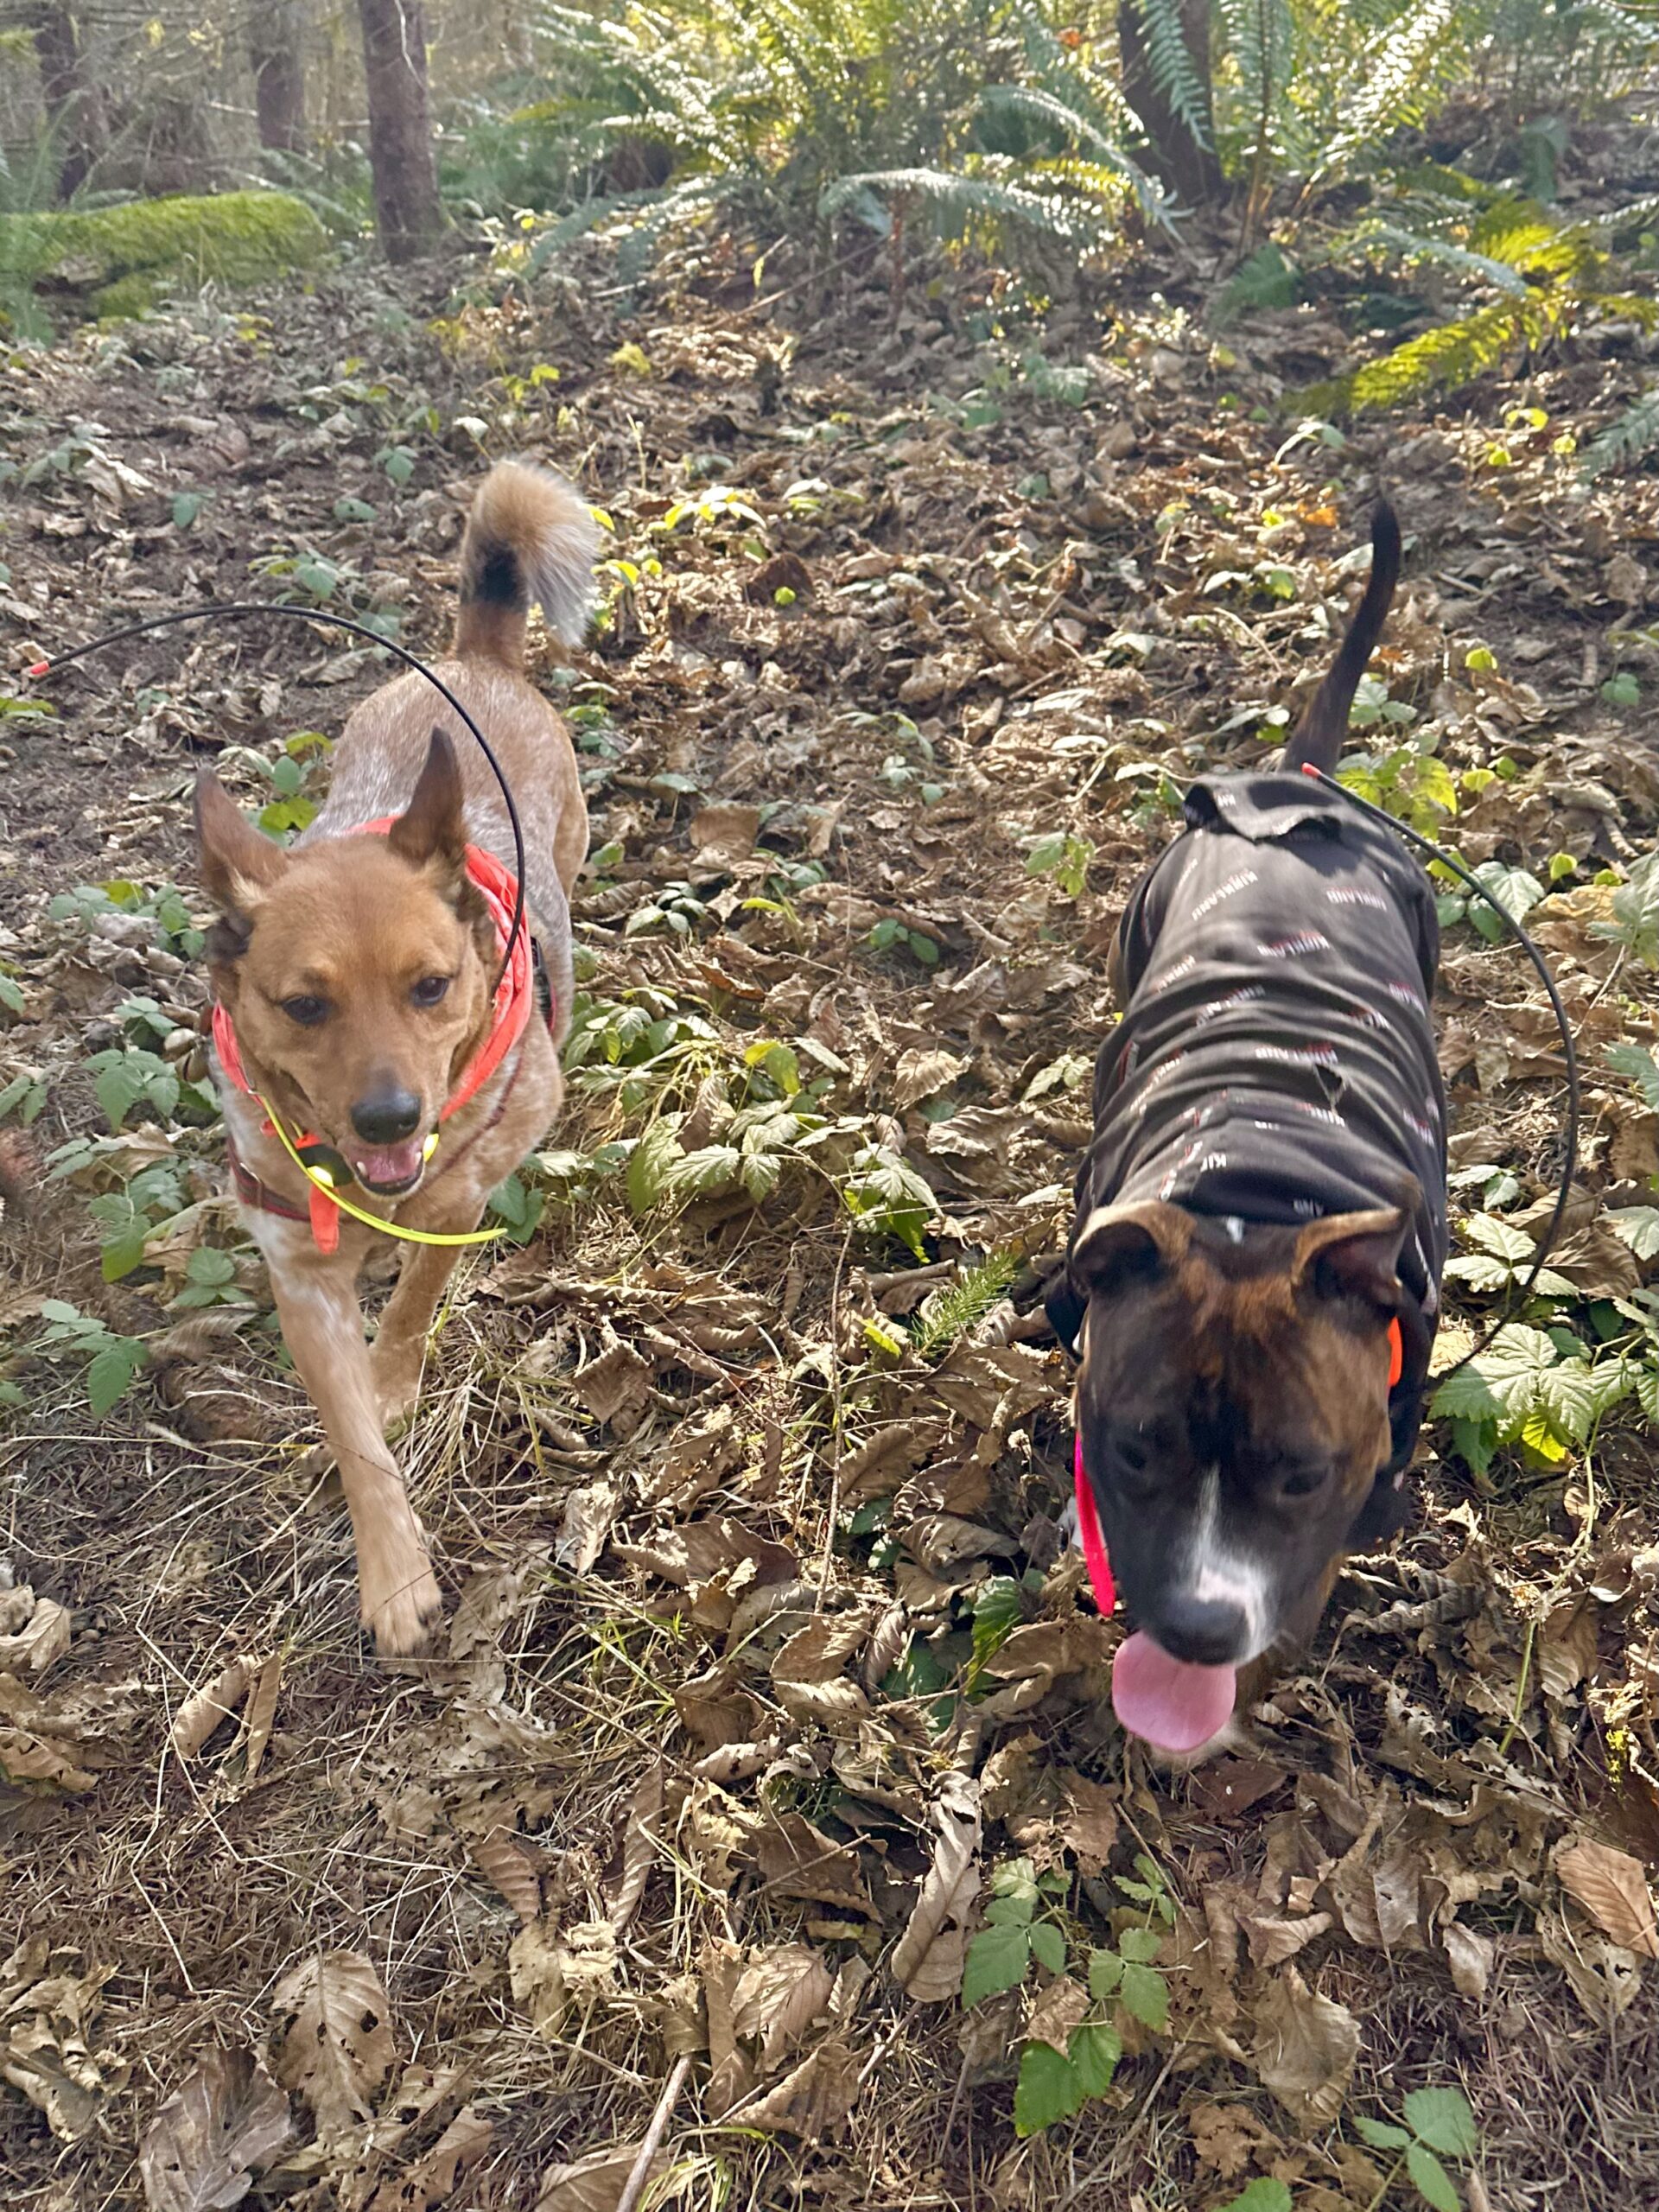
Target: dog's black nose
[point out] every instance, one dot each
(386, 1116)
(1205, 1632)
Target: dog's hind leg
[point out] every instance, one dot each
(322, 1327)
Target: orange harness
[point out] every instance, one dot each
(514, 996)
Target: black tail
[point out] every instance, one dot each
(1318, 738)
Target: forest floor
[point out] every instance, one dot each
(762, 1649)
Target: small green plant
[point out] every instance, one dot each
(165, 908)
(129, 1216)
(949, 1312)
(210, 1279)
(715, 506)
(129, 1077)
(292, 808)
(1063, 856)
(1408, 782)
(1635, 924)
(889, 935)
(1544, 1388)
(886, 1196)
(520, 1207)
(1504, 1256)
(111, 1363)
(1438, 2125)
(676, 909)
(1026, 1922)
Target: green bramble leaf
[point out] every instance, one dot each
(1049, 2089)
(1048, 1946)
(1443, 2119)
(1432, 2181)
(1094, 2050)
(1145, 1993)
(997, 1959)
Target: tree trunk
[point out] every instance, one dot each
(74, 107)
(1186, 164)
(276, 54)
(406, 205)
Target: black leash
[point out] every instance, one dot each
(237, 607)
(1570, 1161)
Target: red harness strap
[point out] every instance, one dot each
(1089, 1528)
(514, 995)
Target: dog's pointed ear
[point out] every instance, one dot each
(239, 863)
(1353, 1256)
(432, 831)
(1118, 1242)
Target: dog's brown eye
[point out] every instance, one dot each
(306, 1010)
(1301, 1482)
(430, 989)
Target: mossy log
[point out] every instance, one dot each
(109, 262)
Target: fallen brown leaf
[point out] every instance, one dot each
(224, 2125)
(640, 1844)
(1304, 2050)
(1613, 1888)
(433, 2178)
(1059, 2009)
(593, 2184)
(331, 2038)
(928, 1961)
(779, 1997)
(203, 1710)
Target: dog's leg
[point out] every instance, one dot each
(322, 1327)
(400, 1344)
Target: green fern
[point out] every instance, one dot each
(1169, 63)
(950, 1312)
(1630, 438)
(958, 198)
(1035, 105)
(1441, 360)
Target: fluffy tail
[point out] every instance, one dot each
(1318, 738)
(529, 536)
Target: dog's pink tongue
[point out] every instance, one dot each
(1170, 1703)
(388, 1164)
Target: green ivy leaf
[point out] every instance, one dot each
(1443, 2119)
(1049, 2089)
(996, 1961)
(1145, 1993)
(1432, 2182)
(1141, 1944)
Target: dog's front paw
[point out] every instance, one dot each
(402, 1607)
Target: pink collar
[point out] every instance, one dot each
(514, 995)
(1094, 1543)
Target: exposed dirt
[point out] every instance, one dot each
(714, 1491)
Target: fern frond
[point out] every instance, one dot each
(958, 197)
(1411, 246)
(1441, 360)
(1398, 80)
(949, 1313)
(1629, 439)
(1631, 220)
(1169, 63)
(1040, 106)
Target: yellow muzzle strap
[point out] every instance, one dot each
(320, 1180)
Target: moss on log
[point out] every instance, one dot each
(111, 262)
